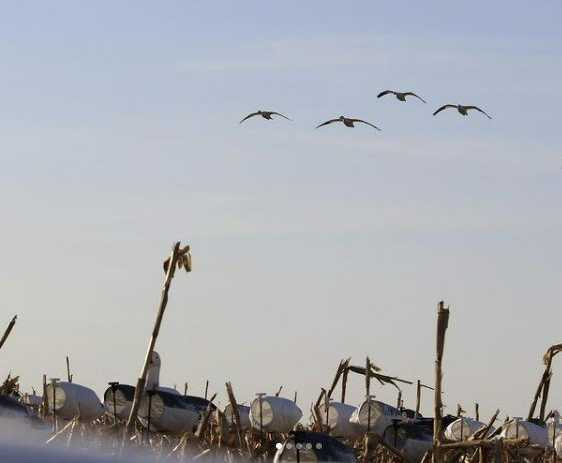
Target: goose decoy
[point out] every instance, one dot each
(400, 95)
(72, 400)
(118, 398)
(173, 413)
(10, 407)
(270, 413)
(348, 122)
(461, 109)
(265, 114)
(168, 410)
(153, 376)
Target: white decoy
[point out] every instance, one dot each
(71, 400)
(118, 398)
(348, 122)
(265, 114)
(170, 411)
(461, 109)
(153, 376)
(274, 414)
(400, 95)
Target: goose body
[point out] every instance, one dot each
(348, 122)
(400, 95)
(462, 109)
(265, 114)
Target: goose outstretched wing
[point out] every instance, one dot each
(328, 122)
(478, 109)
(386, 92)
(279, 114)
(445, 107)
(249, 115)
(365, 122)
(413, 94)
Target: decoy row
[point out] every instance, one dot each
(162, 409)
(173, 414)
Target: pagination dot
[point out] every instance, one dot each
(278, 445)
(318, 445)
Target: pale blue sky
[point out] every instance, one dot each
(119, 134)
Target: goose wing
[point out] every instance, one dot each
(413, 94)
(444, 107)
(478, 109)
(365, 122)
(249, 115)
(328, 122)
(386, 92)
(279, 114)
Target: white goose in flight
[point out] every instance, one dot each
(461, 109)
(400, 95)
(348, 122)
(265, 114)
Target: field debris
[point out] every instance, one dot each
(168, 425)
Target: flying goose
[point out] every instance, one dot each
(265, 114)
(348, 122)
(400, 95)
(461, 109)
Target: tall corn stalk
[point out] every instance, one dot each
(180, 258)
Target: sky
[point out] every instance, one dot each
(120, 134)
